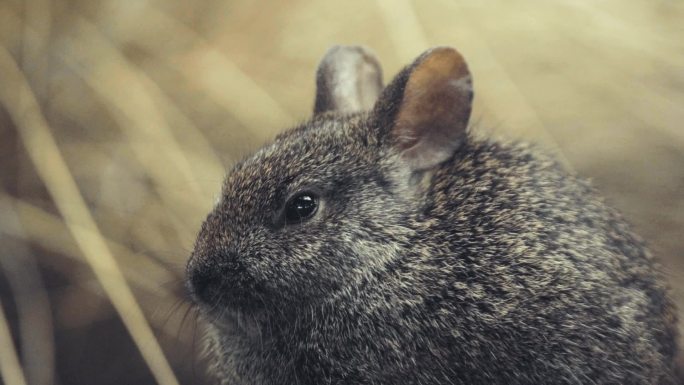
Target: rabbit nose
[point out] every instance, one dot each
(204, 283)
(210, 276)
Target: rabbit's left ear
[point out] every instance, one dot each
(424, 112)
(349, 79)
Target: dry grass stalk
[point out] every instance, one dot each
(10, 369)
(24, 110)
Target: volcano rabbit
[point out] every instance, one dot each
(382, 243)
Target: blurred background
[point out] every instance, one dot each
(119, 117)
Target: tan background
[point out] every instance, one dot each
(117, 119)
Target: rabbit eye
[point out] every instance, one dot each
(301, 207)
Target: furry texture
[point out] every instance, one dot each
(497, 266)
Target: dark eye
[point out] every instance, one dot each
(301, 207)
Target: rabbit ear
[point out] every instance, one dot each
(424, 112)
(349, 79)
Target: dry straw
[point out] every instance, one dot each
(22, 106)
(10, 369)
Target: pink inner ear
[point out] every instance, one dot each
(435, 109)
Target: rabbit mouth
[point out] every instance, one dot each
(229, 298)
(247, 323)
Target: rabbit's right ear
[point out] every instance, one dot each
(349, 79)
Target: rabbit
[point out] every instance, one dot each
(381, 242)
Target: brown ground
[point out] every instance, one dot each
(147, 100)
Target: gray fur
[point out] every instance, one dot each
(496, 267)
